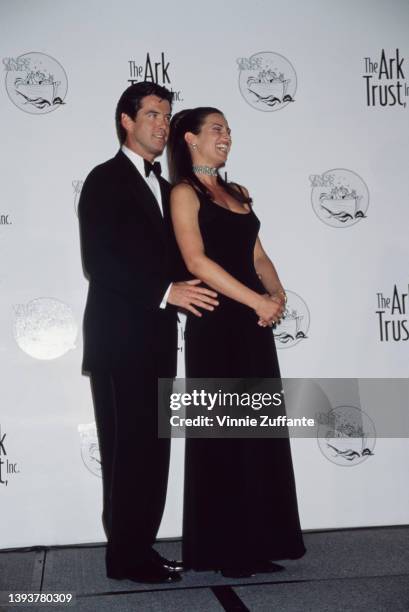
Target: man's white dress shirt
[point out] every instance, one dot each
(153, 184)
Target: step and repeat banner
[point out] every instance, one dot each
(317, 97)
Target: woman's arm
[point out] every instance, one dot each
(266, 270)
(267, 273)
(184, 210)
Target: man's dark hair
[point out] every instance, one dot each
(131, 100)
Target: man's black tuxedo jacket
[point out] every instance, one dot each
(127, 251)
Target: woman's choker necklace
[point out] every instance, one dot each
(205, 170)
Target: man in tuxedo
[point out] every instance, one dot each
(130, 329)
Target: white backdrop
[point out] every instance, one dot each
(327, 170)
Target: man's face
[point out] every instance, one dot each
(148, 132)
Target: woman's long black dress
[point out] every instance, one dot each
(240, 502)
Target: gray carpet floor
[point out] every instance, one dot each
(358, 569)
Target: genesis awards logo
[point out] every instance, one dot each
(77, 186)
(90, 449)
(346, 435)
(35, 82)
(392, 315)
(154, 71)
(340, 198)
(295, 323)
(45, 328)
(385, 83)
(7, 466)
(267, 81)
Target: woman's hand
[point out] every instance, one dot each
(269, 310)
(280, 296)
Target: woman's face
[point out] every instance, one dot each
(212, 143)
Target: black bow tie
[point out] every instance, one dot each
(155, 168)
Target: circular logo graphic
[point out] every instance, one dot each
(45, 328)
(90, 448)
(295, 323)
(36, 82)
(346, 435)
(340, 197)
(267, 81)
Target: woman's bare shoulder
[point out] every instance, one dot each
(247, 204)
(184, 192)
(240, 188)
(183, 188)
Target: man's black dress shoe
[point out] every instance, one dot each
(151, 571)
(168, 564)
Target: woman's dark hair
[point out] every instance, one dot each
(131, 100)
(179, 159)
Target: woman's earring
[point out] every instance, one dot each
(194, 146)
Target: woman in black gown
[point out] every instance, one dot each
(240, 506)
